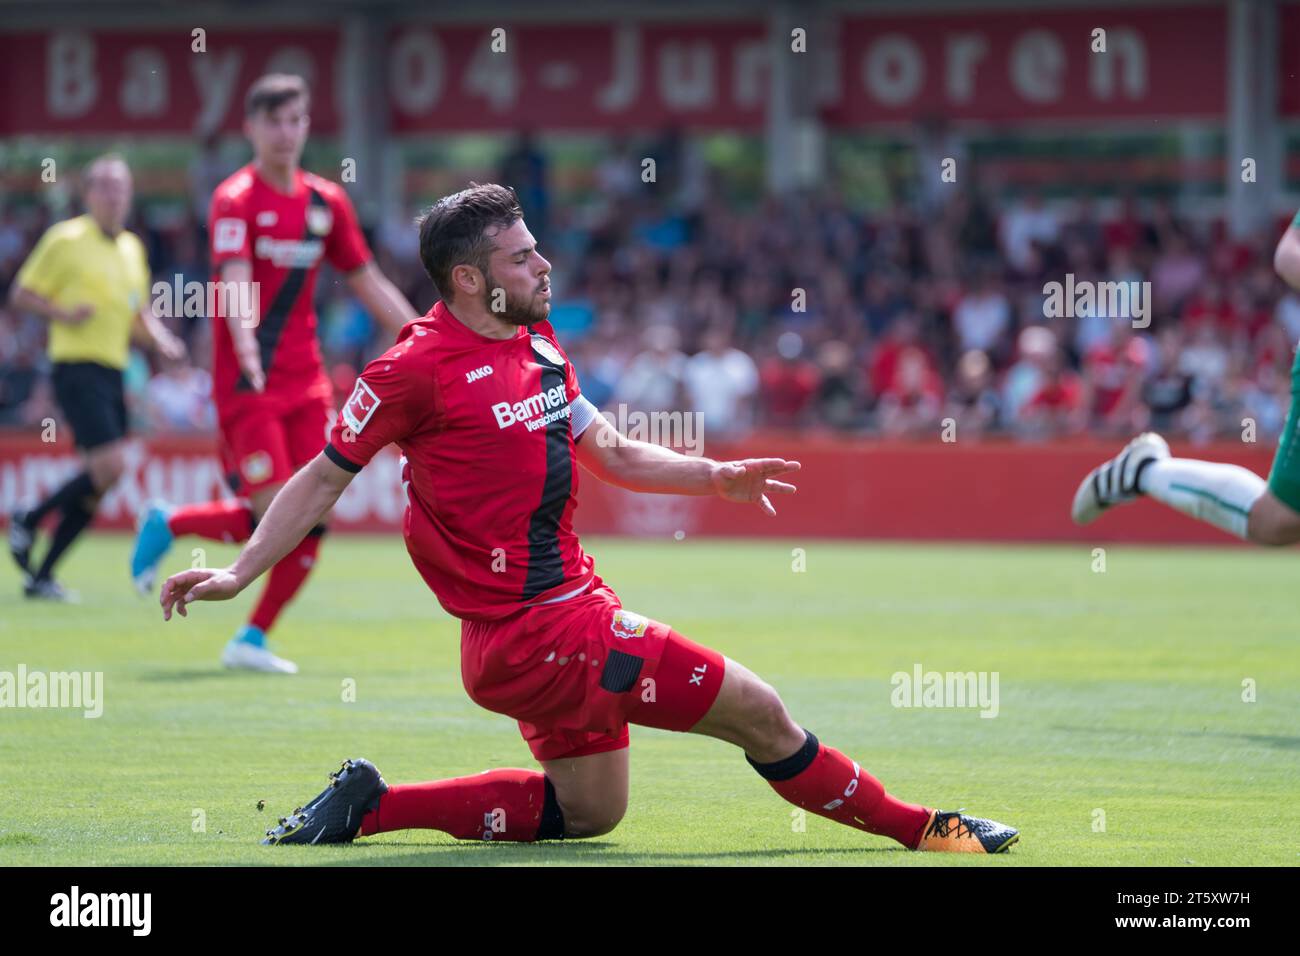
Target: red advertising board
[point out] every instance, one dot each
(861, 489)
(1009, 65)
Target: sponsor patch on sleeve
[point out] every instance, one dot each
(228, 235)
(360, 407)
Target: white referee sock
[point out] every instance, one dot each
(1206, 490)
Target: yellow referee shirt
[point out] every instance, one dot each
(76, 263)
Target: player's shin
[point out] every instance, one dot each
(823, 781)
(1219, 494)
(506, 804)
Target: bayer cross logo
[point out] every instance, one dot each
(544, 347)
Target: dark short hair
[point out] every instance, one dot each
(272, 91)
(454, 230)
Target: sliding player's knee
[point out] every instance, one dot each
(765, 721)
(592, 819)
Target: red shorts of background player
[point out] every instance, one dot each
(574, 673)
(266, 442)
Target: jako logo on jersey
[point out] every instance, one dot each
(508, 414)
(289, 253)
(360, 407)
(478, 373)
(267, 217)
(627, 624)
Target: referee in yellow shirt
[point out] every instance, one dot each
(90, 278)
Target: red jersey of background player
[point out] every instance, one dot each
(493, 478)
(284, 237)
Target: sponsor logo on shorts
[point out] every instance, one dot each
(256, 467)
(626, 624)
(228, 235)
(361, 406)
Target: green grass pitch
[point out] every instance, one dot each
(1122, 736)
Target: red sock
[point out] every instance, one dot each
(492, 805)
(286, 577)
(226, 520)
(831, 785)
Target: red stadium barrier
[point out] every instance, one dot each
(990, 491)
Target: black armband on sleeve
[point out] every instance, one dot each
(336, 456)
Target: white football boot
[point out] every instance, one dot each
(1114, 482)
(240, 654)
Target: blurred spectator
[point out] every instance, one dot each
(177, 399)
(789, 383)
(524, 169)
(973, 401)
(720, 384)
(652, 381)
(910, 405)
(983, 315)
(1028, 226)
(1168, 388)
(840, 395)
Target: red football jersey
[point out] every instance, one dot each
(493, 478)
(284, 237)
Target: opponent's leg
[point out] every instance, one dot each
(1232, 498)
(750, 714)
(1273, 522)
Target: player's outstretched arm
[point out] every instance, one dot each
(381, 298)
(1286, 260)
(301, 504)
(639, 466)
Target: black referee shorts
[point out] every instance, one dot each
(93, 400)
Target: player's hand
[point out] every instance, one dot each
(250, 363)
(752, 480)
(197, 584)
(170, 346)
(77, 315)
